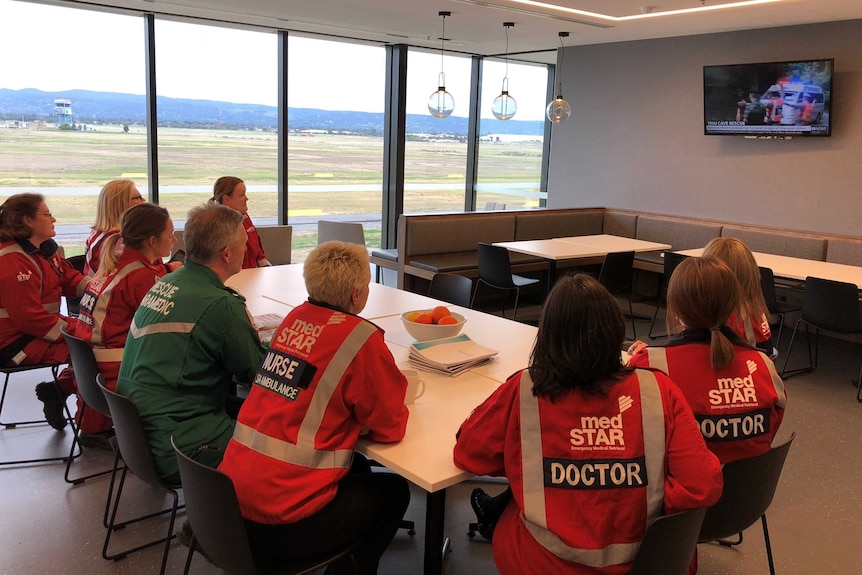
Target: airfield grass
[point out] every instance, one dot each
(44, 157)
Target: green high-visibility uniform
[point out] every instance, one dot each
(189, 338)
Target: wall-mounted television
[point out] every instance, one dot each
(770, 99)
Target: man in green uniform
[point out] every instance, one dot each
(189, 339)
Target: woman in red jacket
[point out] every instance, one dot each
(750, 319)
(33, 277)
(593, 450)
(737, 396)
(230, 191)
(112, 298)
(116, 197)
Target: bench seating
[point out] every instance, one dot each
(682, 234)
(447, 242)
(844, 251)
(797, 245)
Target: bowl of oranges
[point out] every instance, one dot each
(437, 323)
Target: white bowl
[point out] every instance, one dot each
(426, 331)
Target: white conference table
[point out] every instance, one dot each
(799, 268)
(577, 247)
(424, 456)
(285, 284)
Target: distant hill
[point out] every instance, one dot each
(106, 107)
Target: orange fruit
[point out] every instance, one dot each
(413, 315)
(439, 313)
(424, 318)
(447, 320)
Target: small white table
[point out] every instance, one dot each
(285, 285)
(577, 247)
(799, 268)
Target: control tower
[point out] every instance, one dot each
(62, 111)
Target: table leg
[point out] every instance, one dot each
(435, 543)
(552, 275)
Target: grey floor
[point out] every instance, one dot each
(815, 521)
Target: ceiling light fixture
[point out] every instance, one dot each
(703, 8)
(505, 106)
(441, 103)
(559, 110)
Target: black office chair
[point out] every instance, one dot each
(495, 270)
(8, 372)
(616, 276)
(451, 288)
(669, 544)
(749, 486)
(86, 370)
(829, 305)
(777, 309)
(218, 526)
(73, 304)
(671, 261)
(135, 450)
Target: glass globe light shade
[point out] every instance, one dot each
(504, 106)
(441, 103)
(558, 110)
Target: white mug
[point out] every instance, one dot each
(415, 386)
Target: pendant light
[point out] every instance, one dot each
(559, 110)
(441, 103)
(505, 106)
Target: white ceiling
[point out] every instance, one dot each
(476, 26)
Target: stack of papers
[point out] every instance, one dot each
(450, 356)
(266, 325)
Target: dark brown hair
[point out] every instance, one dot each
(12, 214)
(702, 294)
(581, 331)
(139, 223)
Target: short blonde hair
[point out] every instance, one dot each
(333, 270)
(114, 199)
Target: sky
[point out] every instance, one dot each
(89, 50)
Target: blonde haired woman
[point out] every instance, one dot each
(734, 391)
(750, 319)
(116, 197)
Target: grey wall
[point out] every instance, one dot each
(635, 139)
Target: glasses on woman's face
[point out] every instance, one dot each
(48, 214)
(137, 199)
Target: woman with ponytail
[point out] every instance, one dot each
(737, 396)
(750, 319)
(111, 299)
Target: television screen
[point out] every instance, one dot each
(777, 99)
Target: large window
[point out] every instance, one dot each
(510, 153)
(73, 116)
(217, 115)
(71, 109)
(435, 153)
(336, 99)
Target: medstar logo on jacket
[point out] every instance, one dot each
(735, 391)
(24, 276)
(601, 433)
